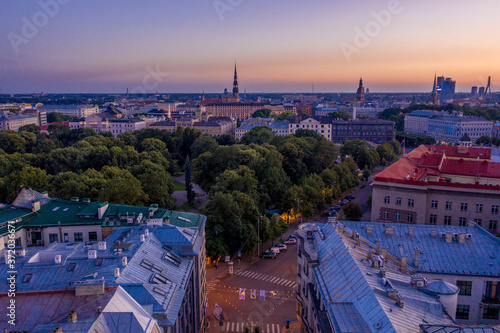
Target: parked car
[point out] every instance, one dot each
(290, 241)
(268, 255)
(282, 247)
(292, 236)
(329, 213)
(350, 197)
(275, 249)
(336, 207)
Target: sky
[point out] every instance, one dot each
(95, 46)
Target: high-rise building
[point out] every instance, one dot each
(446, 87)
(360, 93)
(473, 91)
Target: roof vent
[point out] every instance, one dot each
(146, 232)
(434, 232)
(57, 258)
(117, 272)
(101, 246)
(143, 238)
(124, 261)
(389, 230)
(72, 316)
(58, 329)
(369, 229)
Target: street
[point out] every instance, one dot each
(277, 277)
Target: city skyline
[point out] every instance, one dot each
(61, 46)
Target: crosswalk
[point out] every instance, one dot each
(239, 326)
(267, 278)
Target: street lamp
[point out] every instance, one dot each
(298, 208)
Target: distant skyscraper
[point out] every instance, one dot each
(360, 93)
(445, 87)
(473, 91)
(481, 92)
(434, 93)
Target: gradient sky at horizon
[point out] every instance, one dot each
(279, 45)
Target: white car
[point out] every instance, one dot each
(290, 241)
(282, 247)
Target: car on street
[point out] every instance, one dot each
(329, 213)
(268, 255)
(290, 241)
(336, 207)
(275, 249)
(282, 247)
(292, 236)
(350, 197)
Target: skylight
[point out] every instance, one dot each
(27, 278)
(71, 267)
(55, 209)
(65, 209)
(173, 259)
(160, 279)
(159, 291)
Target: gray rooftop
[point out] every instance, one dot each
(478, 255)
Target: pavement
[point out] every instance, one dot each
(181, 196)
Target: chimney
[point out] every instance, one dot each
(461, 238)
(102, 209)
(57, 259)
(143, 238)
(401, 301)
(369, 229)
(378, 247)
(392, 293)
(92, 254)
(449, 237)
(415, 257)
(382, 271)
(117, 272)
(434, 232)
(385, 253)
(146, 232)
(101, 246)
(404, 263)
(389, 230)
(410, 230)
(124, 261)
(58, 329)
(72, 316)
(353, 234)
(35, 206)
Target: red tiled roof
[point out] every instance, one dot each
(454, 151)
(471, 168)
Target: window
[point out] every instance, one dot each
(463, 206)
(494, 209)
(462, 311)
(411, 203)
(479, 208)
(490, 311)
(492, 290)
(462, 221)
(27, 278)
(493, 225)
(92, 235)
(298, 269)
(397, 216)
(387, 199)
(409, 218)
(465, 287)
(385, 214)
(398, 201)
(52, 238)
(78, 237)
(434, 204)
(478, 221)
(433, 219)
(447, 220)
(66, 237)
(448, 205)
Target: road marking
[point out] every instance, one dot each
(258, 276)
(227, 327)
(273, 280)
(267, 330)
(272, 327)
(238, 327)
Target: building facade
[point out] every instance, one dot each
(417, 122)
(280, 128)
(77, 111)
(451, 128)
(439, 185)
(15, 121)
(109, 122)
(214, 126)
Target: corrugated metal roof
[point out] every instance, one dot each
(479, 255)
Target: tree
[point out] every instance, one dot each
(53, 117)
(11, 142)
(27, 177)
(366, 172)
(156, 183)
(258, 135)
(187, 178)
(241, 180)
(226, 140)
(262, 113)
(32, 128)
(203, 144)
(352, 211)
(340, 115)
(122, 187)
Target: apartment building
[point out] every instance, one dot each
(156, 256)
(241, 110)
(451, 128)
(439, 185)
(465, 257)
(77, 111)
(417, 122)
(345, 285)
(337, 130)
(214, 126)
(280, 128)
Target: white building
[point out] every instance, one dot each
(77, 111)
(110, 122)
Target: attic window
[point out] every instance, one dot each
(173, 259)
(152, 267)
(71, 267)
(55, 209)
(27, 278)
(160, 279)
(159, 291)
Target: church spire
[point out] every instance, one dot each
(236, 91)
(434, 94)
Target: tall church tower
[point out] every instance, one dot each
(434, 93)
(360, 93)
(236, 91)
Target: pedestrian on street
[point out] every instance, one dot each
(217, 264)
